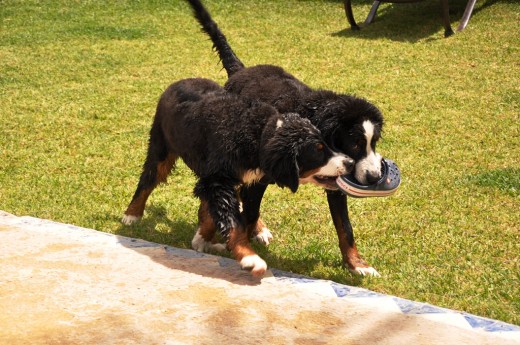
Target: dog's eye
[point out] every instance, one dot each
(320, 147)
(359, 144)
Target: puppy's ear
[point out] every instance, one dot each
(278, 160)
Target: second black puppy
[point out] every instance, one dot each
(349, 124)
(228, 141)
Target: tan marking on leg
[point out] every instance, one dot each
(352, 259)
(205, 239)
(165, 167)
(136, 207)
(260, 225)
(239, 245)
(207, 227)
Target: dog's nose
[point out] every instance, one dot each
(372, 178)
(349, 164)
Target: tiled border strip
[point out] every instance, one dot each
(457, 318)
(385, 302)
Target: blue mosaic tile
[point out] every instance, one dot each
(348, 291)
(292, 277)
(411, 307)
(341, 290)
(489, 325)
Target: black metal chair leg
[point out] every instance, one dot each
(373, 12)
(446, 18)
(467, 14)
(350, 16)
(445, 10)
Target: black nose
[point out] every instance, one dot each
(349, 164)
(372, 178)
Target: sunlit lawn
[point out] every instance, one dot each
(79, 83)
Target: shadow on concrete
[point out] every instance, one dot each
(176, 235)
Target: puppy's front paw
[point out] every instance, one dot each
(264, 236)
(129, 219)
(255, 264)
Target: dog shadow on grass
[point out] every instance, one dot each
(156, 227)
(312, 263)
(168, 242)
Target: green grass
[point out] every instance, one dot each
(79, 83)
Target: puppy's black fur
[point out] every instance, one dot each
(349, 124)
(228, 141)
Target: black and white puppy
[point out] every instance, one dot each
(229, 141)
(348, 124)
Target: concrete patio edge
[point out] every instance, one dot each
(316, 287)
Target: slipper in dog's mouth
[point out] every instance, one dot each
(387, 184)
(328, 182)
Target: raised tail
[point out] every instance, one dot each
(230, 61)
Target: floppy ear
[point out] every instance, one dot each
(278, 160)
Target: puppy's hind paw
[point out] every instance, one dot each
(129, 219)
(254, 264)
(200, 245)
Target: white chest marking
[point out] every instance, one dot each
(371, 163)
(369, 133)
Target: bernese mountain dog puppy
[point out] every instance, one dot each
(229, 141)
(348, 124)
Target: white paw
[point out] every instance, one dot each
(128, 219)
(255, 264)
(365, 271)
(198, 243)
(264, 236)
(217, 247)
(201, 245)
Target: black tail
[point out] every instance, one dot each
(230, 61)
